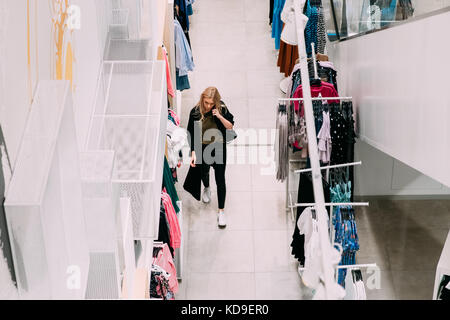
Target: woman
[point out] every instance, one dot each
(208, 128)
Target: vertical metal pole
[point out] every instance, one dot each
(325, 244)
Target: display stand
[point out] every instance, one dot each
(44, 206)
(443, 267)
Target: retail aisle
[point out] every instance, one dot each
(250, 259)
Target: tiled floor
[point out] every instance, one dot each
(251, 258)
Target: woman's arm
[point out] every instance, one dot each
(227, 124)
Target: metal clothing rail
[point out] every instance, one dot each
(332, 167)
(352, 266)
(358, 266)
(315, 99)
(332, 204)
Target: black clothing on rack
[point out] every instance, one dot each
(305, 195)
(164, 229)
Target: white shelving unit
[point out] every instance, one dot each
(44, 205)
(130, 118)
(443, 267)
(103, 224)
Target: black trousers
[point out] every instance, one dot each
(219, 173)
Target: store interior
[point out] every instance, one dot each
(95, 99)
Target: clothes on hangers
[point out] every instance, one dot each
(170, 90)
(175, 230)
(176, 140)
(277, 24)
(164, 260)
(324, 137)
(305, 195)
(184, 60)
(164, 228)
(169, 185)
(281, 143)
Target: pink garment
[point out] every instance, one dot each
(175, 117)
(326, 90)
(169, 78)
(165, 261)
(175, 231)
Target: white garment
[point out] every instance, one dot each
(350, 287)
(313, 269)
(176, 140)
(324, 137)
(289, 33)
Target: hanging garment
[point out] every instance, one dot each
(169, 185)
(271, 5)
(277, 24)
(176, 140)
(184, 61)
(324, 137)
(281, 144)
(164, 228)
(175, 231)
(174, 117)
(321, 32)
(183, 16)
(165, 261)
(312, 12)
(305, 195)
(170, 90)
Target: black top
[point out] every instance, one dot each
(195, 116)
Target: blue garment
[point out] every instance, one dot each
(277, 23)
(182, 82)
(184, 61)
(190, 11)
(183, 16)
(388, 14)
(312, 12)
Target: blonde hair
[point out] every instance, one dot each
(210, 93)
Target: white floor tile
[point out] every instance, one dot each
(268, 210)
(270, 251)
(238, 211)
(221, 251)
(278, 286)
(221, 286)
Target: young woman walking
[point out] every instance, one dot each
(210, 127)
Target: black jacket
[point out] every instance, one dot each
(193, 182)
(195, 115)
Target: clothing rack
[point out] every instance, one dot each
(328, 269)
(327, 266)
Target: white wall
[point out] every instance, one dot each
(398, 78)
(18, 79)
(382, 175)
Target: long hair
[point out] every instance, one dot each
(210, 93)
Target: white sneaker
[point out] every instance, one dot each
(222, 222)
(206, 196)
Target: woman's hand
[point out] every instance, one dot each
(193, 159)
(217, 114)
(227, 124)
